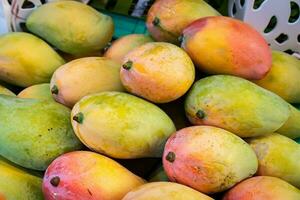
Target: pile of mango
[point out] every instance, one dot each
(200, 109)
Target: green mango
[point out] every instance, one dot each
(18, 184)
(72, 27)
(158, 175)
(291, 127)
(121, 125)
(39, 91)
(283, 78)
(34, 132)
(6, 91)
(26, 60)
(237, 105)
(278, 156)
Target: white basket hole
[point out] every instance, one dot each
(258, 3)
(282, 38)
(295, 12)
(28, 4)
(271, 25)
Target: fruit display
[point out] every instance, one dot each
(198, 108)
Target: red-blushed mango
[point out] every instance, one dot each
(208, 159)
(85, 76)
(167, 18)
(124, 45)
(39, 91)
(222, 45)
(263, 188)
(157, 71)
(86, 175)
(6, 91)
(165, 191)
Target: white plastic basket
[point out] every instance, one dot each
(273, 18)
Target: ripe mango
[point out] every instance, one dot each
(237, 105)
(6, 91)
(291, 127)
(34, 132)
(125, 44)
(84, 175)
(157, 71)
(165, 191)
(39, 91)
(121, 125)
(263, 188)
(223, 45)
(71, 26)
(26, 60)
(278, 157)
(85, 76)
(17, 184)
(167, 18)
(283, 78)
(208, 159)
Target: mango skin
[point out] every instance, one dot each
(198, 156)
(6, 91)
(121, 125)
(85, 76)
(86, 175)
(17, 184)
(223, 45)
(158, 175)
(124, 45)
(237, 105)
(26, 60)
(291, 128)
(263, 188)
(174, 16)
(39, 91)
(278, 157)
(84, 32)
(283, 78)
(160, 72)
(34, 132)
(166, 191)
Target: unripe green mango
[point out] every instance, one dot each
(278, 156)
(17, 184)
(39, 91)
(26, 60)
(34, 132)
(236, 105)
(6, 91)
(71, 26)
(121, 125)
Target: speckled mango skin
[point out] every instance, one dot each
(34, 132)
(17, 184)
(223, 45)
(6, 91)
(121, 125)
(278, 157)
(71, 26)
(174, 16)
(283, 78)
(263, 188)
(165, 191)
(26, 60)
(160, 72)
(85, 76)
(124, 45)
(86, 175)
(208, 159)
(39, 91)
(237, 105)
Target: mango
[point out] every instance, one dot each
(263, 188)
(39, 91)
(17, 184)
(223, 45)
(158, 175)
(86, 175)
(124, 45)
(157, 71)
(208, 159)
(283, 78)
(278, 157)
(165, 191)
(121, 125)
(26, 60)
(166, 19)
(34, 132)
(291, 127)
(237, 105)
(6, 91)
(85, 76)
(71, 26)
